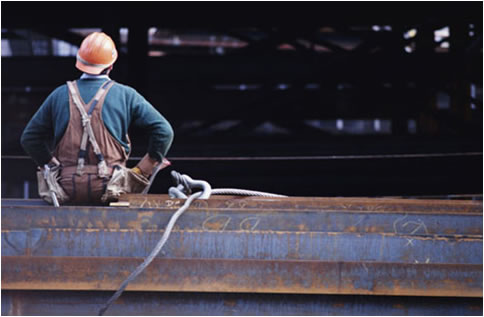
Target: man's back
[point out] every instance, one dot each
(122, 107)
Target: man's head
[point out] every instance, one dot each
(96, 54)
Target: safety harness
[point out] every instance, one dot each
(88, 133)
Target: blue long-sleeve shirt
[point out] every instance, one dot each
(123, 107)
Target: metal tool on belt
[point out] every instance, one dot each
(46, 173)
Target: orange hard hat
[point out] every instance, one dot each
(96, 53)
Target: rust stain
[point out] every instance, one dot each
(302, 227)
(450, 231)
(476, 231)
(375, 229)
(147, 214)
(114, 225)
(351, 229)
(230, 303)
(214, 225)
(477, 308)
(398, 306)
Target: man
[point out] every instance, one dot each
(86, 123)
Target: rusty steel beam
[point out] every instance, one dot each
(87, 303)
(414, 217)
(160, 201)
(211, 242)
(310, 203)
(244, 276)
(297, 245)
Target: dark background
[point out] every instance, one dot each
(248, 87)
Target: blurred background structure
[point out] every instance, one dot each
(339, 99)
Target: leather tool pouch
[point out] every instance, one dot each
(124, 181)
(51, 183)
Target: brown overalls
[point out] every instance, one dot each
(87, 184)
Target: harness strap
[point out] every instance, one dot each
(99, 94)
(88, 133)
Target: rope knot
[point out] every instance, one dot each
(185, 184)
(179, 179)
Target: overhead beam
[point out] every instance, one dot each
(281, 67)
(62, 34)
(173, 14)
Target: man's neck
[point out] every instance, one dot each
(90, 76)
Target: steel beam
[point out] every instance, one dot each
(215, 241)
(236, 244)
(244, 276)
(313, 203)
(62, 303)
(300, 214)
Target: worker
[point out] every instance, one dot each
(79, 136)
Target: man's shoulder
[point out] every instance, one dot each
(128, 92)
(60, 88)
(124, 87)
(59, 92)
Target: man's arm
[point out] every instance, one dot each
(39, 134)
(160, 132)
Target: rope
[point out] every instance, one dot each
(187, 184)
(179, 179)
(242, 192)
(153, 253)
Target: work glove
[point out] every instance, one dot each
(138, 171)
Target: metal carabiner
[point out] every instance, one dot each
(185, 184)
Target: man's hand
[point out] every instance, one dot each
(148, 166)
(52, 163)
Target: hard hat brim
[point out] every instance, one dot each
(94, 70)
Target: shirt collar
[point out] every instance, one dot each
(89, 76)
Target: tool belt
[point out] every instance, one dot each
(70, 187)
(86, 188)
(123, 181)
(48, 183)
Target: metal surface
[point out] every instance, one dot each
(345, 246)
(455, 219)
(210, 242)
(62, 303)
(248, 276)
(312, 203)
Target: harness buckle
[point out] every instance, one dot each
(85, 121)
(80, 166)
(102, 169)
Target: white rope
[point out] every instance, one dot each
(186, 187)
(242, 192)
(153, 253)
